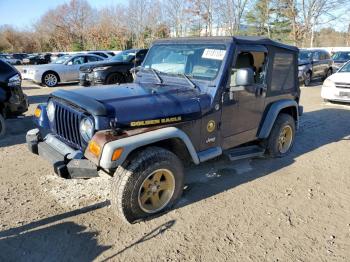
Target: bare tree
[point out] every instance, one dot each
(176, 16)
(232, 13)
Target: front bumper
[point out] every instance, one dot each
(67, 162)
(335, 94)
(92, 78)
(17, 105)
(29, 74)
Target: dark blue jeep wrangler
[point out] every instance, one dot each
(192, 100)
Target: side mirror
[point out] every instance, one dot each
(242, 77)
(70, 63)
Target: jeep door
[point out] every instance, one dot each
(243, 105)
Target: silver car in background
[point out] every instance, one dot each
(62, 70)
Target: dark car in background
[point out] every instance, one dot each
(12, 99)
(114, 70)
(20, 56)
(339, 59)
(313, 64)
(37, 59)
(104, 54)
(55, 56)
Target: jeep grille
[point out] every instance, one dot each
(66, 124)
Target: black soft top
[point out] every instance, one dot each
(253, 40)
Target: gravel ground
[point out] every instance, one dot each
(290, 209)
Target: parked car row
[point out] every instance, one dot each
(88, 69)
(318, 63)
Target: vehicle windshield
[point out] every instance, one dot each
(199, 61)
(61, 59)
(305, 55)
(345, 68)
(345, 56)
(125, 56)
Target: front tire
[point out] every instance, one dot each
(149, 183)
(115, 79)
(50, 79)
(282, 135)
(328, 73)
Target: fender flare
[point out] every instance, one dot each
(272, 114)
(133, 142)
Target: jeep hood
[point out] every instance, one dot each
(138, 102)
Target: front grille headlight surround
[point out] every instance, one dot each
(50, 109)
(87, 128)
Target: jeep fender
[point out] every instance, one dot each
(133, 142)
(272, 114)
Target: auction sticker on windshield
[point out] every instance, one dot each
(216, 54)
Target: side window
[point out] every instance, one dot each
(78, 60)
(322, 55)
(92, 59)
(256, 60)
(326, 55)
(282, 72)
(316, 56)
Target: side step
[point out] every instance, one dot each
(245, 152)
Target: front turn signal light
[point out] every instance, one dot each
(37, 112)
(94, 148)
(117, 153)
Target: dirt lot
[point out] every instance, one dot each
(291, 209)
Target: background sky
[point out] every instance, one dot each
(23, 13)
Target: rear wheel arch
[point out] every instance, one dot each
(289, 107)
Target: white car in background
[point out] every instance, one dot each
(62, 70)
(337, 86)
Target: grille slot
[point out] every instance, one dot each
(342, 85)
(67, 124)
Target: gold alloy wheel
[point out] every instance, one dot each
(285, 139)
(156, 190)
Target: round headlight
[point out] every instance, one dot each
(50, 109)
(87, 128)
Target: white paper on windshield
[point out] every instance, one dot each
(216, 54)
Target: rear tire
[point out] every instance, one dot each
(150, 183)
(281, 139)
(2, 126)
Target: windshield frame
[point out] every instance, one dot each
(196, 80)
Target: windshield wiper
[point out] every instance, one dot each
(154, 71)
(156, 74)
(192, 84)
